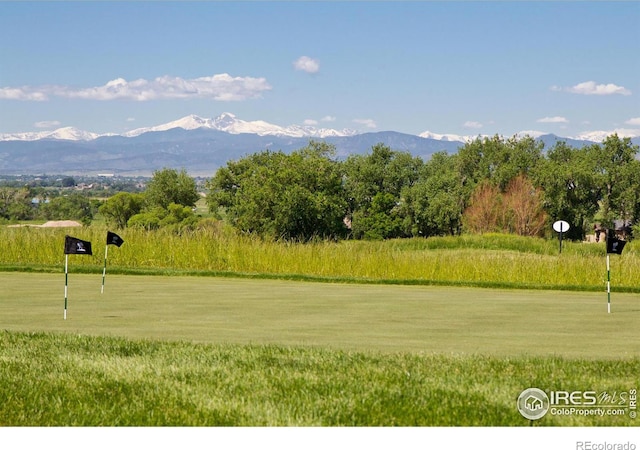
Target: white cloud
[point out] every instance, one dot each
(306, 64)
(220, 87)
(368, 123)
(634, 121)
(472, 124)
(22, 93)
(47, 124)
(592, 88)
(555, 119)
(314, 122)
(131, 119)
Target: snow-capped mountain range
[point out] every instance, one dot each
(202, 145)
(66, 133)
(229, 123)
(226, 122)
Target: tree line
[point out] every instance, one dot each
(28, 203)
(491, 184)
(167, 201)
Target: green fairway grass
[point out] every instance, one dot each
(416, 319)
(75, 380)
(205, 351)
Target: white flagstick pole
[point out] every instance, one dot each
(104, 270)
(66, 271)
(608, 287)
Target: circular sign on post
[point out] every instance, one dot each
(561, 226)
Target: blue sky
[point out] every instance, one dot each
(465, 68)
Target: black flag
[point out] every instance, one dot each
(114, 239)
(615, 245)
(74, 246)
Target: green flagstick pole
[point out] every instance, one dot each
(66, 276)
(104, 269)
(608, 287)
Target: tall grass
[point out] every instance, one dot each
(490, 260)
(70, 380)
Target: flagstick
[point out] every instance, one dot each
(608, 287)
(66, 271)
(104, 270)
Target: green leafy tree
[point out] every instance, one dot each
(119, 208)
(148, 220)
(616, 172)
(381, 220)
(68, 182)
(374, 185)
(296, 197)
(70, 207)
(630, 199)
(170, 186)
(433, 205)
(175, 217)
(497, 160)
(569, 187)
(179, 217)
(15, 204)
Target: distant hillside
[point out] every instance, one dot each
(200, 146)
(199, 151)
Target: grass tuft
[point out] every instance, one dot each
(70, 380)
(491, 260)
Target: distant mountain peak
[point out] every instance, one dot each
(72, 134)
(190, 122)
(65, 133)
(227, 114)
(230, 123)
(599, 136)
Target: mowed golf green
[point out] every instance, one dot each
(385, 318)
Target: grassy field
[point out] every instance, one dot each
(499, 261)
(417, 319)
(427, 332)
(60, 379)
(231, 352)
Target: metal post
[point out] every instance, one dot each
(561, 237)
(66, 279)
(104, 269)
